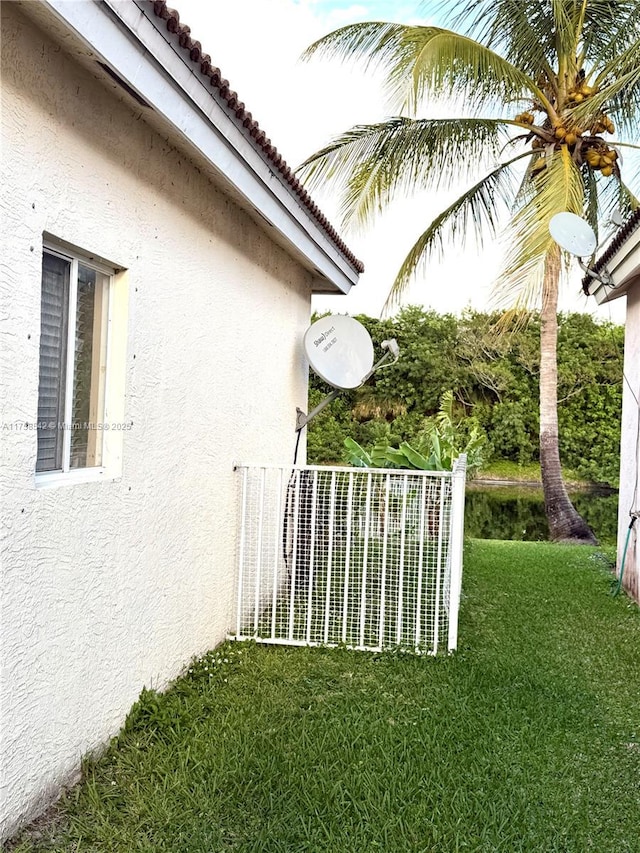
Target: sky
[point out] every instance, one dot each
(302, 105)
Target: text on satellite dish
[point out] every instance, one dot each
(323, 337)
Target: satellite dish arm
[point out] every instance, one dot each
(302, 420)
(604, 276)
(393, 352)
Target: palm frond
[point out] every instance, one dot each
(618, 83)
(478, 210)
(564, 23)
(523, 25)
(429, 61)
(531, 32)
(370, 42)
(591, 199)
(521, 29)
(370, 164)
(616, 196)
(617, 143)
(628, 199)
(448, 64)
(374, 402)
(559, 187)
(609, 27)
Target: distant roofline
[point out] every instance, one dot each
(616, 244)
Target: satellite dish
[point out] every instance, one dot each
(573, 234)
(340, 351)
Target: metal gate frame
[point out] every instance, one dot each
(357, 557)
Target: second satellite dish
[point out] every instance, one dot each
(340, 351)
(573, 234)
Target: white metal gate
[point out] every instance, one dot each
(366, 558)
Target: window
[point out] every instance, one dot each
(74, 324)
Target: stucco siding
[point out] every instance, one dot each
(111, 586)
(629, 449)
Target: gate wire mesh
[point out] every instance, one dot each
(344, 556)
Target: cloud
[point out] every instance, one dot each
(349, 15)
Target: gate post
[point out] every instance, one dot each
(456, 543)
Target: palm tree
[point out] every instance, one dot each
(543, 84)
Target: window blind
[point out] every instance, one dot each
(54, 319)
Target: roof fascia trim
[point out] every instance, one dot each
(622, 267)
(127, 40)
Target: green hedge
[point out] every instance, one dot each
(494, 378)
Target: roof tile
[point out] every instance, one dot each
(632, 223)
(245, 120)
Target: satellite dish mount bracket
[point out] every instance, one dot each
(604, 276)
(393, 353)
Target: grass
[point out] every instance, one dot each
(527, 739)
(504, 469)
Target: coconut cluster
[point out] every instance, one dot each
(602, 157)
(581, 137)
(578, 95)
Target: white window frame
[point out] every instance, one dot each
(107, 469)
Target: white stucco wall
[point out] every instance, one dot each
(629, 450)
(111, 586)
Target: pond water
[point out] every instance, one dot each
(517, 512)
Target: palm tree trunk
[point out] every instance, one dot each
(565, 524)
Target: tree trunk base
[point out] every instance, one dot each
(566, 525)
(589, 540)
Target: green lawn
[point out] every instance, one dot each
(529, 472)
(527, 739)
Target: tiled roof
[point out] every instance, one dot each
(618, 241)
(202, 62)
